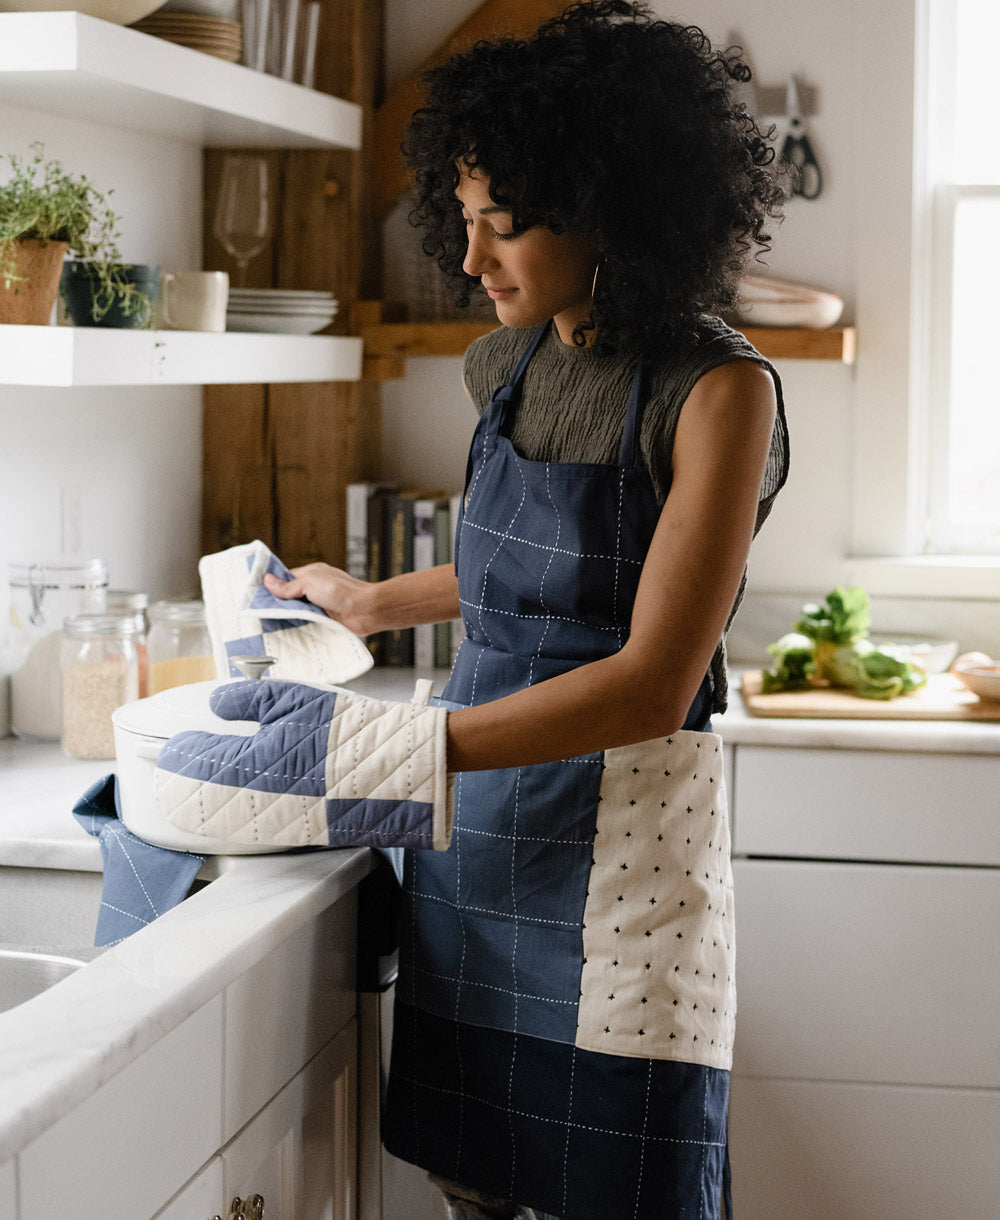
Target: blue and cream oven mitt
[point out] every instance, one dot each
(327, 768)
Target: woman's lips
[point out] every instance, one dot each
(500, 294)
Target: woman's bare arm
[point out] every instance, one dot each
(428, 596)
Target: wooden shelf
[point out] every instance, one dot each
(70, 64)
(388, 343)
(93, 356)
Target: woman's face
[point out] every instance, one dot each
(531, 276)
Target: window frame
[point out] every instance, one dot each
(888, 551)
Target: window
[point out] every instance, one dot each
(962, 505)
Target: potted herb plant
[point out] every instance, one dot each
(46, 213)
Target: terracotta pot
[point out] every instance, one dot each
(29, 301)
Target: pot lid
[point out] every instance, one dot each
(176, 710)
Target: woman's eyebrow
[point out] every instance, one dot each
(493, 210)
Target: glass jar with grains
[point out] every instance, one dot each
(42, 595)
(179, 647)
(100, 672)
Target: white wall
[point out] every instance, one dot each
(112, 473)
(802, 551)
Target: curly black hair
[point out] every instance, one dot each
(618, 126)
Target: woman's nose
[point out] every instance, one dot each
(477, 259)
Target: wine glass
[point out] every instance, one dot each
(242, 212)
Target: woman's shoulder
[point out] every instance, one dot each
(489, 360)
(711, 343)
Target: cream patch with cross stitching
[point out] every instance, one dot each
(658, 948)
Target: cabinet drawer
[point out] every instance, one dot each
(866, 805)
(868, 973)
(842, 1152)
(280, 1013)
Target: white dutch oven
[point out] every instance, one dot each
(141, 730)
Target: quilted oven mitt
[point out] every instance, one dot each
(327, 768)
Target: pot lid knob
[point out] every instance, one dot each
(253, 667)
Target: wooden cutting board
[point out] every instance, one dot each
(943, 698)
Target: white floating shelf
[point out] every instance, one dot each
(93, 356)
(71, 64)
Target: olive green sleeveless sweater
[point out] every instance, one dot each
(574, 402)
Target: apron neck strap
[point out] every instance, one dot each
(505, 399)
(629, 452)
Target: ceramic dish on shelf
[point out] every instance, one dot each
(210, 35)
(277, 323)
(771, 302)
(118, 12)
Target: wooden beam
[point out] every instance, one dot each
(276, 459)
(390, 177)
(399, 340)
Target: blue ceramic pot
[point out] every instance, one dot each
(80, 284)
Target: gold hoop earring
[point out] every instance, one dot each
(593, 287)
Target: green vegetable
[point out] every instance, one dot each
(872, 673)
(830, 644)
(794, 656)
(842, 618)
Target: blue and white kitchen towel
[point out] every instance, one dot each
(141, 881)
(245, 619)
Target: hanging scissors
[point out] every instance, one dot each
(797, 151)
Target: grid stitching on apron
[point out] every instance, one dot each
(609, 556)
(560, 1122)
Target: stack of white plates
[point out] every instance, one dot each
(213, 35)
(279, 311)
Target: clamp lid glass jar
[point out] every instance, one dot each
(179, 647)
(100, 672)
(42, 595)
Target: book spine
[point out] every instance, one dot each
(443, 553)
(358, 495)
(398, 546)
(457, 625)
(423, 557)
(376, 552)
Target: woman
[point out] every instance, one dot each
(565, 1003)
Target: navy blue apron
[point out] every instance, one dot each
(564, 1009)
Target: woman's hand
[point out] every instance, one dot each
(345, 598)
(364, 607)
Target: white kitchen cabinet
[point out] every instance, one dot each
(8, 1190)
(299, 1152)
(280, 1013)
(867, 1070)
(126, 1150)
(199, 1199)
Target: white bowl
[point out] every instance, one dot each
(119, 12)
(982, 680)
(772, 302)
(933, 652)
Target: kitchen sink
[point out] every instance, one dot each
(25, 973)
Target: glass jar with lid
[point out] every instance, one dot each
(100, 672)
(42, 596)
(179, 647)
(136, 606)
